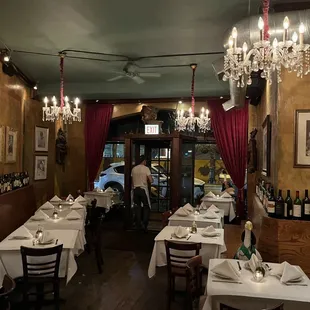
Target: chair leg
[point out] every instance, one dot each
(173, 288)
(56, 297)
(40, 296)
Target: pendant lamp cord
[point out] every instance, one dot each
(193, 66)
(62, 57)
(266, 20)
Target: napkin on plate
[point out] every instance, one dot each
(73, 215)
(76, 206)
(40, 216)
(214, 209)
(225, 195)
(210, 195)
(209, 231)
(210, 215)
(47, 206)
(55, 199)
(287, 273)
(180, 232)
(21, 233)
(253, 263)
(70, 198)
(182, 212)
(80, 199)
(47, 237)
(226, 270)
(188, 207)
(109, 190)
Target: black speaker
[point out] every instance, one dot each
(8, 69)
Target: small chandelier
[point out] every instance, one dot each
(187, 121)
(53, 112)
(291, 54)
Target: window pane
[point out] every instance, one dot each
(108, 151)
(120, 150)
(120, 169)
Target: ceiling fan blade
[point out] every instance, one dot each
(150, 74)
(115, 78)
(137, 79)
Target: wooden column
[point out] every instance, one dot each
(175, 173)
(127, 194)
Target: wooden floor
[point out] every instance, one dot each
(124, 284)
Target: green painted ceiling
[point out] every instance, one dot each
(134, 28)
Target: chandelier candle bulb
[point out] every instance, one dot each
(286, 24)
(244, 49)
(301, 34)
(234, 35)
(261, 28)
(231, 42)
(295, 37)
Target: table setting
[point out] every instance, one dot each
(104, 198)
(255, 284)
(211, 239)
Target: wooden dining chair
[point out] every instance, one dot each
(176, 262)
(8, 286)
(279, 307)
(38, 275)
(193, 281)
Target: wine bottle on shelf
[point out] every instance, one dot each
(306, 206)
(279, 208)
(288, 206)
(297, 208)
(271, 204)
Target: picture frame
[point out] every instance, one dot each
(41, 139)
(40, 167)
(2, 143)
(302, 139)
(11, 145)
(266, 139)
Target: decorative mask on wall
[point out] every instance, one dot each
(61, 147)
(148, 114)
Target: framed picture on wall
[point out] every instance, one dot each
(40, 168)
(302, 139)
(266, 146)
(2, 140)
(11, 145)
(41, 139)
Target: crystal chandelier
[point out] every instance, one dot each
(187, 121)
(53, 112)
(292, 54)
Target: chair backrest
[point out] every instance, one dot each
(279, 307)
(224, 307)
(176, 258)
(35, 265)
(164, 218)
(79, 193)
(193, 277)
(8, 285)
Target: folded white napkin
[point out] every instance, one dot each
(98, 190)
(73, 215)
(109, 190)
(210, 215)
(214, 209)
(226, 270)
(253, 263)
(76, 206)
(188, 207)
(287, 273)
(21, 233)
(47, 237)
(180, 232)
(225, 195)
(70, 198)
(203, 207)
(210, 195)
(182, 212)
(47, 206)
(55, 199)
(80, 199)
(40, 215)
(209, 231)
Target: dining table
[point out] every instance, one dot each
(200, 220)
(249, 294)
(11, 260)
(225, 204)
(212, 247)
(104, 199)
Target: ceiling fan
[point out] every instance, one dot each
(130, 72)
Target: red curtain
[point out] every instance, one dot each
(97, 123)
(231, 134)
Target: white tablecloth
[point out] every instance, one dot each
(252, 295)
(226, 204)
(186, 221)
(211, 247)
(11, 260)
(104, 200)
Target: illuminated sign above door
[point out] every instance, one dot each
(151, 129)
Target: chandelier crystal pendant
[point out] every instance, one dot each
(267, 57)
(64, 111)
(187, 121)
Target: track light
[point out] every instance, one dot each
(6, 58)
(35, 87)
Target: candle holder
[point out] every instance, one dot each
(55, 215)
(259, 274)
(60, 207)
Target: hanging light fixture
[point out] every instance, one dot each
(268, 57)
(186, 121)
(53, 112)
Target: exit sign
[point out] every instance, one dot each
(151, 129)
